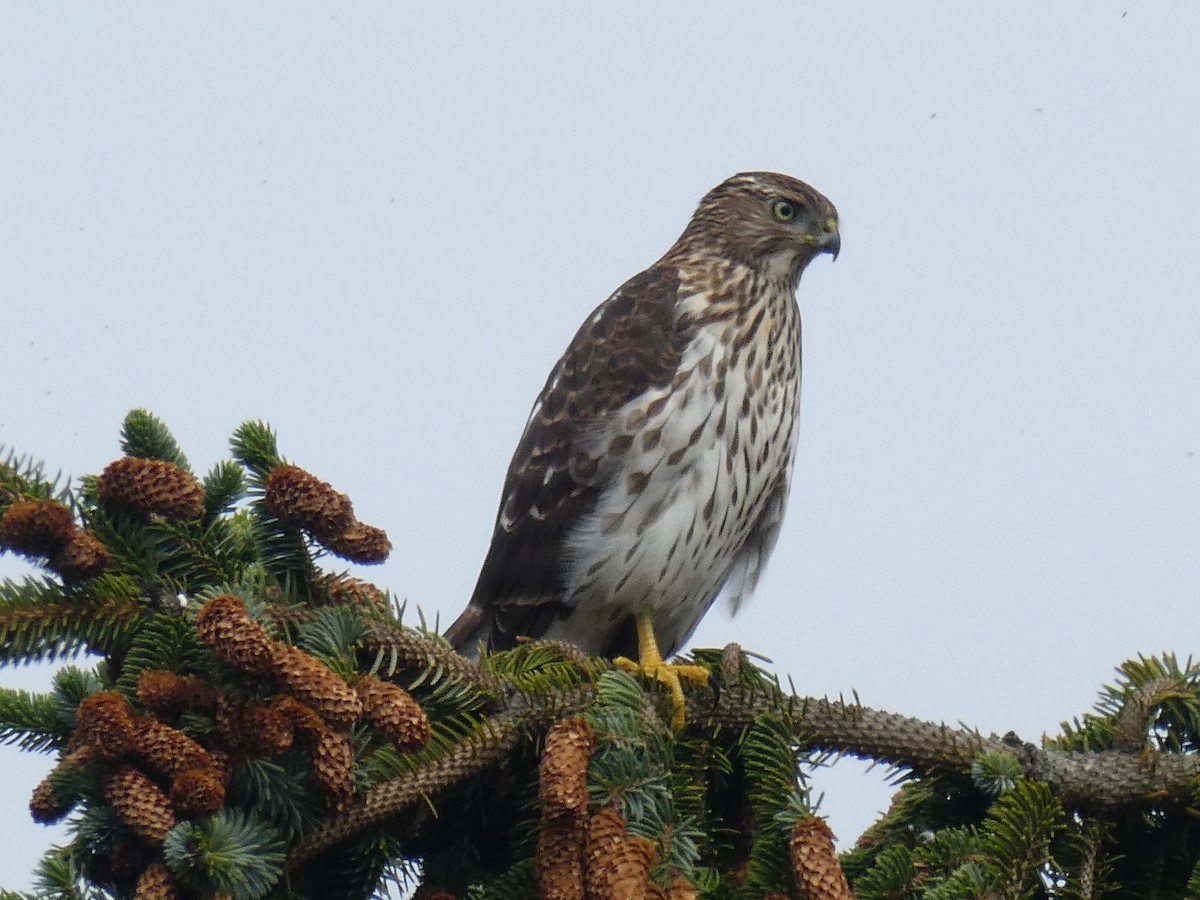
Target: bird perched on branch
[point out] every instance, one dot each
(654, 469)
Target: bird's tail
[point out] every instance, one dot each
(470, 630)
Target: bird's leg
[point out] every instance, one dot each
(652, 665)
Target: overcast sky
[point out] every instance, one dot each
(377, 225)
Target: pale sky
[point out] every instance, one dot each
(377, 225)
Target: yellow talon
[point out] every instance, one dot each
(652, 665)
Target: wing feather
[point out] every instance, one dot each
(629, 345)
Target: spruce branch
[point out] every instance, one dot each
(395, 647)
(493, 741)
(1097, 780)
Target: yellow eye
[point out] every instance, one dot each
(783, 210)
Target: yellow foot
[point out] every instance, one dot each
(669, 674)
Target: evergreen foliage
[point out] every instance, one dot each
(248, 721)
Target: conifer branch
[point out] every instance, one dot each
(492, 743)
(1098, 780)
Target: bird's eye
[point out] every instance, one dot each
(783, 210)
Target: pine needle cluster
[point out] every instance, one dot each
(256, 723)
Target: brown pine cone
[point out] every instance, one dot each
(559, 860)
(197, 792)
(155, 883)
(258, 730)
(333, 768)
(360, 543)
(618, 866)
(45, 806)
(394, 712)
(681, 889)
(815, 863)
(316, 685)
(104, 721)
(164, 692)
(356, 592)
(224, 625)
(140, 804)
(152, 487)
(303, 500)
(563, 769)
(308, 725)
(83, 556)
(36, 527)
(167, 750)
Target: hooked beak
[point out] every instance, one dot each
(830, 239)
(826, 240)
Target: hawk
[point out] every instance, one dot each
(654, 469)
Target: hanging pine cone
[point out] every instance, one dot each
(36, 527)
(224, 625)
(316, 685)
(307, 723)
(140, 804)
(104, 721)
(605, 840)
(152, 487)
(262, 731)
(360, 543)
(815, 863)
(46, 806)
(164, 693)
(559, 860)
(394, 712)
(618, 866)
(83, 556)
(303, 500)
(333, 768)
(681, 889)
(155, 883)
(197, 792)
(563, 769)
(562, 789)
(355, 592)
(167, 750)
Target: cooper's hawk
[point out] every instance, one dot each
(654, 470)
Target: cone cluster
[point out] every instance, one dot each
(304, 501)
(47, 528)
(316, 707)
(225, 625)
(815, 864)
(589, 858)
(107, 729)
(152, 487)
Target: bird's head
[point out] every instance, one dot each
(771, 222)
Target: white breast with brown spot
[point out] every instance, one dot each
(694, 466)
